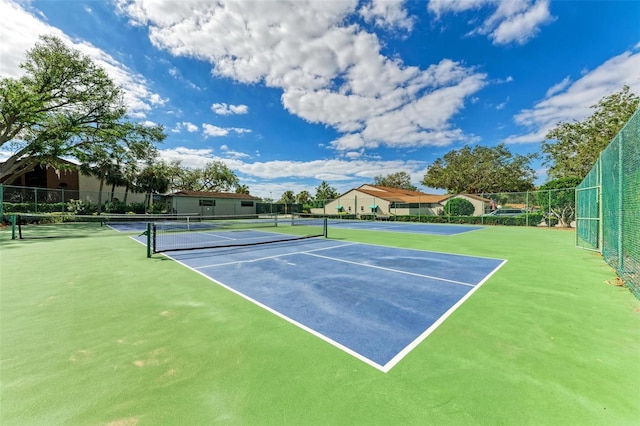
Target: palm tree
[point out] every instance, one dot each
(242, 189)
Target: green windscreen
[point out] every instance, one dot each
(608, 205)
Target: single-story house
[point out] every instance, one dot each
(383, 202)
(386, 202)
(205, 203)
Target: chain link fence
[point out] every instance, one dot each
(608, 205)
(20, 199)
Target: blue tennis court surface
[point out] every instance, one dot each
(405, 227)
(374, 302)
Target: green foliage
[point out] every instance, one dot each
(533, 219)
(31, 207)
(400, 180)
(67, 106)
(459, 207)
(242, 189)
(571, 149)
(81, 207)
(216, 176)
(303, 197)
(56, 107)
(326, 192)
(157, 208)
(481, 170)
(287, 197)
(557, 199)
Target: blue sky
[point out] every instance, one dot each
(288, 94)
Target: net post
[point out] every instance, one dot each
(154, 236)
(325, 232)
(12, 220)
(148, 239)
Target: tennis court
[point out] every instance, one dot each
(374, 302)
(364, 327)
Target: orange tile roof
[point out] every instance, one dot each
(401, 195)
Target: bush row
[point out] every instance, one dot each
(533, 219)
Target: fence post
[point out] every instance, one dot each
(620, 205)
(1, 200)
(549, 212)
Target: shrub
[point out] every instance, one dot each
(81, 207)
(459, 207)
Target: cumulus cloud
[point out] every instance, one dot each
(209, 130)
(387, 14)
(20, 31)
(511, 21)
(330, 71)
(185, 125)
(569, 101)
(224, 109)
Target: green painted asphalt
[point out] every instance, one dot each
(93, 332)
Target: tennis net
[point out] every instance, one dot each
(218, 232)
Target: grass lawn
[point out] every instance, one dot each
(93, 332)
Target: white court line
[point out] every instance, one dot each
(392, 270)
(383, 368)
(396, 359)
(279, 314)
(275, 256)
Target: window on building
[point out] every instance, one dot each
(246, 203)
(207, 203)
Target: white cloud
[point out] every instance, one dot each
(520, 26)
(215, 131)
(188, 157)
(514, 21)
(20, 30)
(568, 101)
(330, 72)
(558, 87)
(387, 14)
(230, 153)
(190, 126)
(185, 125)
(503, 104)
(224, 109)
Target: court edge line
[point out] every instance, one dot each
(389, 269)
(404, 352)
(286, 318)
